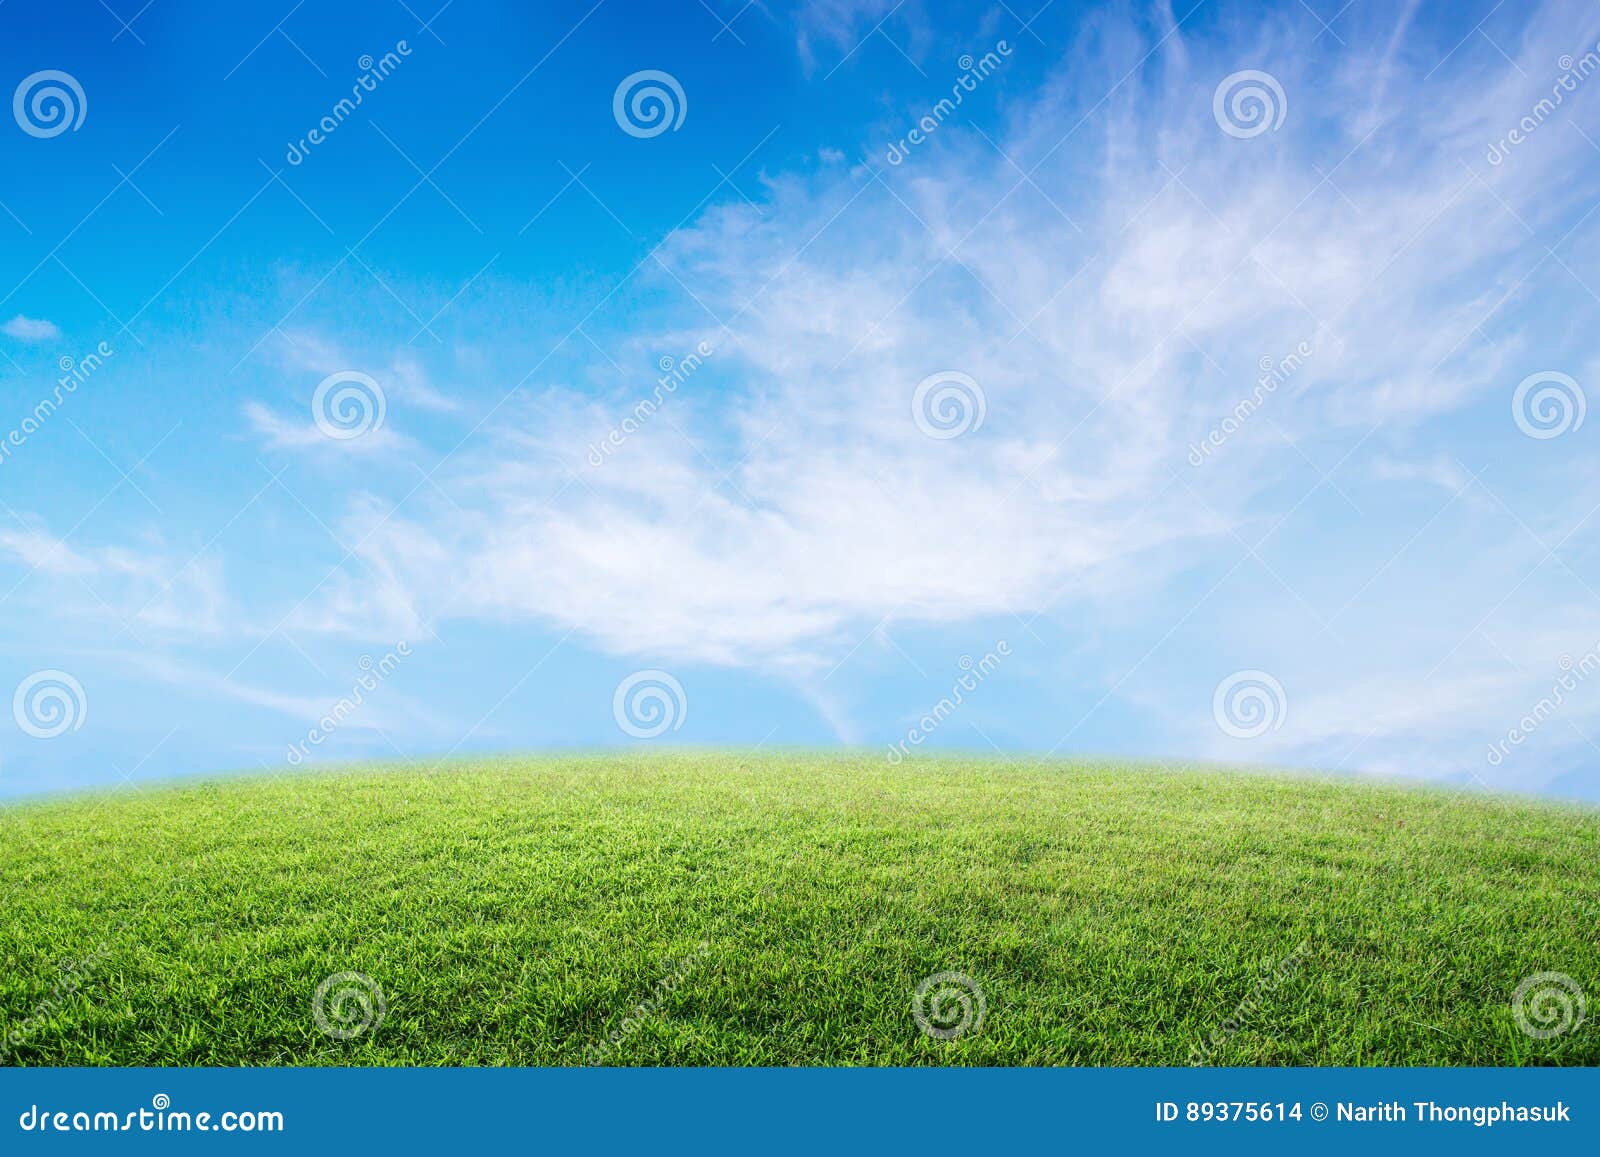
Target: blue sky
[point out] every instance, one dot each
(1207, 382)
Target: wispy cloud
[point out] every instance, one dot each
(1112, 283)
(401, 375)
(966, 388)
(283, 433)
(42, 552)
(30, 329)
(1110, 289)
(138, 587)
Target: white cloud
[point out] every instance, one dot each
(1437, 707)
(283, 433)
(839, 26)
(381, 710)
(400, 375)
(1112, 290)
(137, 587)
(410, 385)
(31, 329)
(42, 552)
(1112, 306)
(390, 385)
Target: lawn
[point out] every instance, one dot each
(692, 908)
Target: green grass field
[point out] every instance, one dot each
(783, 909)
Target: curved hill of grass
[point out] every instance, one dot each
(785, 909)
